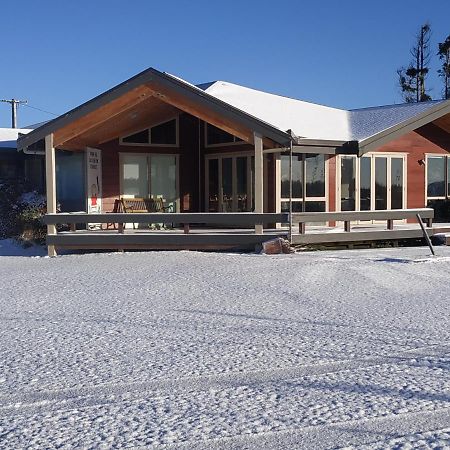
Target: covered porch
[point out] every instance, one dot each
(157, 137)
(224, 178)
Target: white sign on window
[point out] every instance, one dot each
(94, 180)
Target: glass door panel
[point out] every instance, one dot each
(213, 185)
(241, 184)
(365, 175)
(348, 183)
(315, 175)
(396, 183)
(134, 176)
(163, 179)
(380, 183)
(227, 184)
(297, 176)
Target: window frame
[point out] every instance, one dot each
(304, 199)
(372, 156)
(150, 144)
(148, 157)
(446, 195)
(233, 156)
(223, 144)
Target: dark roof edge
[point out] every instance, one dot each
(148, 75)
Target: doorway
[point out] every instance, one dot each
(145, 175)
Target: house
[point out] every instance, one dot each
(14, 165)
(221, 147)
(29, 165)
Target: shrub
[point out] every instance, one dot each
(20, 212)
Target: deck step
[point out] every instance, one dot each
(155, 240)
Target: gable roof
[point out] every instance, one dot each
(273, 116)
(163, 83)
(317, 122)
(366, 122)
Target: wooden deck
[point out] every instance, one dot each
(233, 230)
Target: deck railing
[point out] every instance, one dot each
(227, 236)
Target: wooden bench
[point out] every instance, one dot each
(143, 205)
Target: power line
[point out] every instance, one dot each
(42, 110)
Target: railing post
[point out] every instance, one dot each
(259, 174)
(50, 178)
(302, 227)
(347, 227)
(390, 224)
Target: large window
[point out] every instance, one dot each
(308, 183)
(162, 135)
(372, 182)
(438, 171)
(215, 137)
(150, 176)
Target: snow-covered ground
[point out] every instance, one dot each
(212, 350)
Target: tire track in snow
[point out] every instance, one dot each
(77, 398)
(342, 435)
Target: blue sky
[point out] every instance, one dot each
(58, 54)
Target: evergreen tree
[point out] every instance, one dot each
(444, 71)
(412, 79)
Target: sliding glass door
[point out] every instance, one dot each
(372, 182)
(150, 176)
(229, 183)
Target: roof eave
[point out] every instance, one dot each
(253, 123)
(383, 137)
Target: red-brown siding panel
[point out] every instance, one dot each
(415, 146)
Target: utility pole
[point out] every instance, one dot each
(14, 102)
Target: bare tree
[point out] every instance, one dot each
(412, 79)
(444, 71)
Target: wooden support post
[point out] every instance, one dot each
(390, 224)
(186, 228)
(50, 174)
(120, 227)
(347, 227)
(302, 227)
(430, 222)
(73, 227)
(259, 174)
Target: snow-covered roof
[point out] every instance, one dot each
(313, 121)
(305, 119)
(367, 122)
(8, 136)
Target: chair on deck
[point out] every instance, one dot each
(118, 208)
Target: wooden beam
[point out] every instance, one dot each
(203, 113)
(259, 175)
(122, 125)
(103, 114)
(50, 173)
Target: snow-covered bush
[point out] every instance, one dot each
(20, 212)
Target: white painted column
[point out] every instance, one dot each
(50, 175)
(259, 174)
